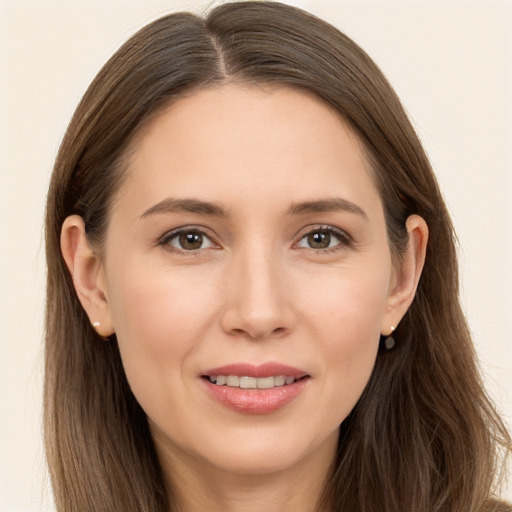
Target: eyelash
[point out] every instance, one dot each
(343, 238)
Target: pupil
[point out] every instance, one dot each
(319, 240)
(191, 241)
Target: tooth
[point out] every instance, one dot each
(233, 380)
(248, 382)
(265, 382)
(245, 382)
(279, 380)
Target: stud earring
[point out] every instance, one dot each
(388, 342)
(96, 325)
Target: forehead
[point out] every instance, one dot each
(235, 142)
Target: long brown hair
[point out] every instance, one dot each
(424, 436)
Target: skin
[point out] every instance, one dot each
(255, 291)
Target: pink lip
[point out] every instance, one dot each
(262, 370)
(256, 401)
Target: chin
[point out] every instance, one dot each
(256, 454)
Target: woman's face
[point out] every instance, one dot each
(248, 247)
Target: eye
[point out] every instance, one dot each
(324, 238)
(187, 240)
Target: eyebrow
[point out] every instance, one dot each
(171, 205)
(326, 205)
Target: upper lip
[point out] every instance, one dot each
(270, 369)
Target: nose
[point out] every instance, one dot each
(257, 298)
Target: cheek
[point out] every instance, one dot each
(350, 305)
(159, 316)
(347, 318)
(161, 320)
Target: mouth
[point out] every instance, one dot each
(255, 389)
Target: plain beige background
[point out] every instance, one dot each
(451, 63)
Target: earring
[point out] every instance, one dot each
(97, 324)
(388, 342)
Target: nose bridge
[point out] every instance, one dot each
(257, 303)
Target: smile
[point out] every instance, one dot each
(255, 389)
(244, 382)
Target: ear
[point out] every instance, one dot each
(407, 274)
(87, 272)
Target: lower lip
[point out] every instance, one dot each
(256, 401)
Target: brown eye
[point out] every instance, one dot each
(190, 240)
(324, 238)
(319, 239)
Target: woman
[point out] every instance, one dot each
(252, 285)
